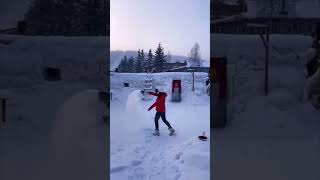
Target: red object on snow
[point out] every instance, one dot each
(160, 103)
(219, 75)
(176, 85)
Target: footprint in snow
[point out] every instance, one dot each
(136, 162)
(118, 168)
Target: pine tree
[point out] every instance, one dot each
(143, 61)
(94, 17)
(40, 17)
(103, 17)
(149, 61)
(138, 62)
(126, 65)
(130, 66)
(159, 59)
(68, 17)
(123, 65)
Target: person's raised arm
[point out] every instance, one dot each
(152, 106)
(152, 93)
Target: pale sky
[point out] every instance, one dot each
(177, 24)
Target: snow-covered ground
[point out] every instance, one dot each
(268, 137)
(35, 134)
(136, 153)
(54, 130)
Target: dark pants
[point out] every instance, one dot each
(163, 117)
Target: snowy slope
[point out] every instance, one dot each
(136, 153)
(230, 2)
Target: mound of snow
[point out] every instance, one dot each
(134, 102)
(79, 138)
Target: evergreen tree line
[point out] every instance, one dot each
(68, 17)
(144, 63)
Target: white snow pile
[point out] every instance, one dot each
(79, 138)
(27, 56)
(136, 153)
(134, 102)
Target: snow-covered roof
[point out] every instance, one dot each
(294, 8)
(227, 19)
(257, 25)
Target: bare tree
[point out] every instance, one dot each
(194, 56)
(194, 60)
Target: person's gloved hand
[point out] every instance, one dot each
(149, 108)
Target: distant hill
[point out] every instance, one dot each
(116, 56)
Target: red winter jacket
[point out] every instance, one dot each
(160, 102)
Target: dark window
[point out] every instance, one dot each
(52, 74)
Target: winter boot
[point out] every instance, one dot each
(156, 132)
(171, 131)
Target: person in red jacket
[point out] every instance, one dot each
(160, 105)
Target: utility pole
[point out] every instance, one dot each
(264, 31)
(266, 86)
(192, 80)
(192, 73)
